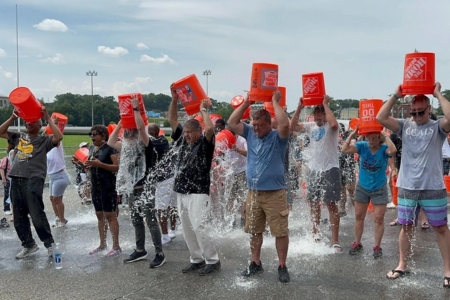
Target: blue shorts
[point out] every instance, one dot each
(433, 203)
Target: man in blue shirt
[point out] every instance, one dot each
(266, 197)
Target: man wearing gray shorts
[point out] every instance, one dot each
(321, 158)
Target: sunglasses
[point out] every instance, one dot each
(418, 113)
(93, 133)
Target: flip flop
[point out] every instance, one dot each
(337, 248)
(447, 286)
(96, 250)
(399, 272)
(425, 226)
(394, 223)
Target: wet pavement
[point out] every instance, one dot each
(316, 272)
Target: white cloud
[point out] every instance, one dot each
(51, 25)
(221, 94)
(141, 46)
(114, 52)
(160, 60)
(143, 79)
(2, 53)
(8, 75)
(57, 59)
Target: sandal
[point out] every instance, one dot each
(97, 250)
(447, 286)
(399, 272)
(114, 252)
(337, 248)
(394, 223)
(425, 226)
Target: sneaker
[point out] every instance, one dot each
(113, 252)
(283, 274)
(253, 269)
(390, 205)
(62, 224)
(209, 268)
(27, 251)
(377, 252)
(8, 213)
(172, 234)
(50, 251)
(193, 267)
(135, 256)
(355, 249)
(158, 261)
(4, 223)
(165, 239)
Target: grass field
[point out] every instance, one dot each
(70, 143)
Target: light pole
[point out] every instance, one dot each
(207, 73)
(92, 74)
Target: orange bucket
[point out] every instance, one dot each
(127, 112)
(190, 93)
(236, 102)
(27, 105)
(111, 128)
(313, 89)
(394, 191)
(269, 107)
(353, 123)
(447, 183)
(419, 73)
(82, 154)
(225, 140)
(370, 206)
(161, 133)
(282, 90)
(263, 82)
(368, 110)
(62, 121)
(213, 117)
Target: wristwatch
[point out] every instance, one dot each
(136, 108)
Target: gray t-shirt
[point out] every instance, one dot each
(421, 167)
(30, 159)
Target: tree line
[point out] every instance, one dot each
(106, 110)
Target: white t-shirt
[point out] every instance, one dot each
(239, 161)
(322, 152)
(55, 159)
(446, 149)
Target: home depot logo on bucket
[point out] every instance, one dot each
(270, 78)
(186, 95)
(310, 86)
(415, 69)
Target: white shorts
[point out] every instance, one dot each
(164, 195)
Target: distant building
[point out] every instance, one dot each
(153, 114)
(4, 101)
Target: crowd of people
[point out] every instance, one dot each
(255, 173)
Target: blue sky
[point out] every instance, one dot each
(144, 46)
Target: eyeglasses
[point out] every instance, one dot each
(418, 113)
(93, 133)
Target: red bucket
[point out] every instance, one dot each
(190, 93)
(161, 133)
(313, 89)
(236, 102)
(29, 108)
(127, 112)
(82, 154)
(263, 82)
(213, 117)
(394, 191)
(419, 73)
(111, 128)
(62, 121)
(225, 140)
(368, 110)
(269, 107)
(282, 91)
(353, 123)
(447, 183)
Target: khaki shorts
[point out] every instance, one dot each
(267, 206)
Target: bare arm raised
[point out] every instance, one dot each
(445, 105)
(383, 115)
(234, 121)
(280, 116)
(173, 111)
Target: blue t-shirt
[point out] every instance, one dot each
(265, 160)
(372, 167)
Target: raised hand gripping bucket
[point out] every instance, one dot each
(419, 73)
(82, 154)
(190, 93)
(61, 122)
(127, 112)
(313, 89)
(282, 90)
(29, 108)
(368, 110)
(236, 102)
(263, 82)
